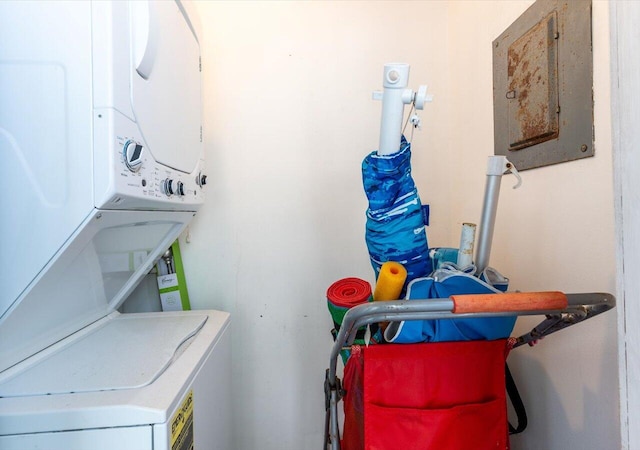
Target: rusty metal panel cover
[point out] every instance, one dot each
(543, 77)
(533, 86)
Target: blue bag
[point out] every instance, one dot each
(446, 281)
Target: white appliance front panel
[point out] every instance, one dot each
(45, 134)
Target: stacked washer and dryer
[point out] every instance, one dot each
(101, 140)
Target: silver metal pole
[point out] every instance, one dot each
(496, 167)
(487, 221)
(334, 433)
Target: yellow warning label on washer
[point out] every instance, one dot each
(182, 425)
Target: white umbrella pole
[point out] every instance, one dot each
(394, 96)
(394, 81)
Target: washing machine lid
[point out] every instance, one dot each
(166, 102)
(87, 279)
(96, 360)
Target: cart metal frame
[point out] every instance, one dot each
(561, 311)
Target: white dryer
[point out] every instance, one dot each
(101, 137)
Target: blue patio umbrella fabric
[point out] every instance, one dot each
(396, 218)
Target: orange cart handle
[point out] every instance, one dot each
(512, 301)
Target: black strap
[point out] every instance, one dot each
(516, 401)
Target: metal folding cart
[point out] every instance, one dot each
(560, 311)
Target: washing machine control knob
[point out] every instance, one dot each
(180, 188)
(167, 186)
(132, 155)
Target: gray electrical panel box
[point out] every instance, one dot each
(543, 85)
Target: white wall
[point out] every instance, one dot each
(288, 119)
(555, 232)
(626, 139)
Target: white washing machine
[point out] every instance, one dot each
(101, 140)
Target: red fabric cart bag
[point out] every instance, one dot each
(436, 396)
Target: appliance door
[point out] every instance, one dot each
(120, 352)
(165, 83)
(87, 279)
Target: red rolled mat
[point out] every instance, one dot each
(349, 292)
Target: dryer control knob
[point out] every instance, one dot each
(201, 179)
(180, 188)
(132, 155)
(167, 187)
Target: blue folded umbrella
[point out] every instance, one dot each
(396, 219)
(395, 231)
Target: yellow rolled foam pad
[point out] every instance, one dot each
(390, 281)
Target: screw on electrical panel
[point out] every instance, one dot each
(584, 148)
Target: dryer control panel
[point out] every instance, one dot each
(151, 179)
(134, 179)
